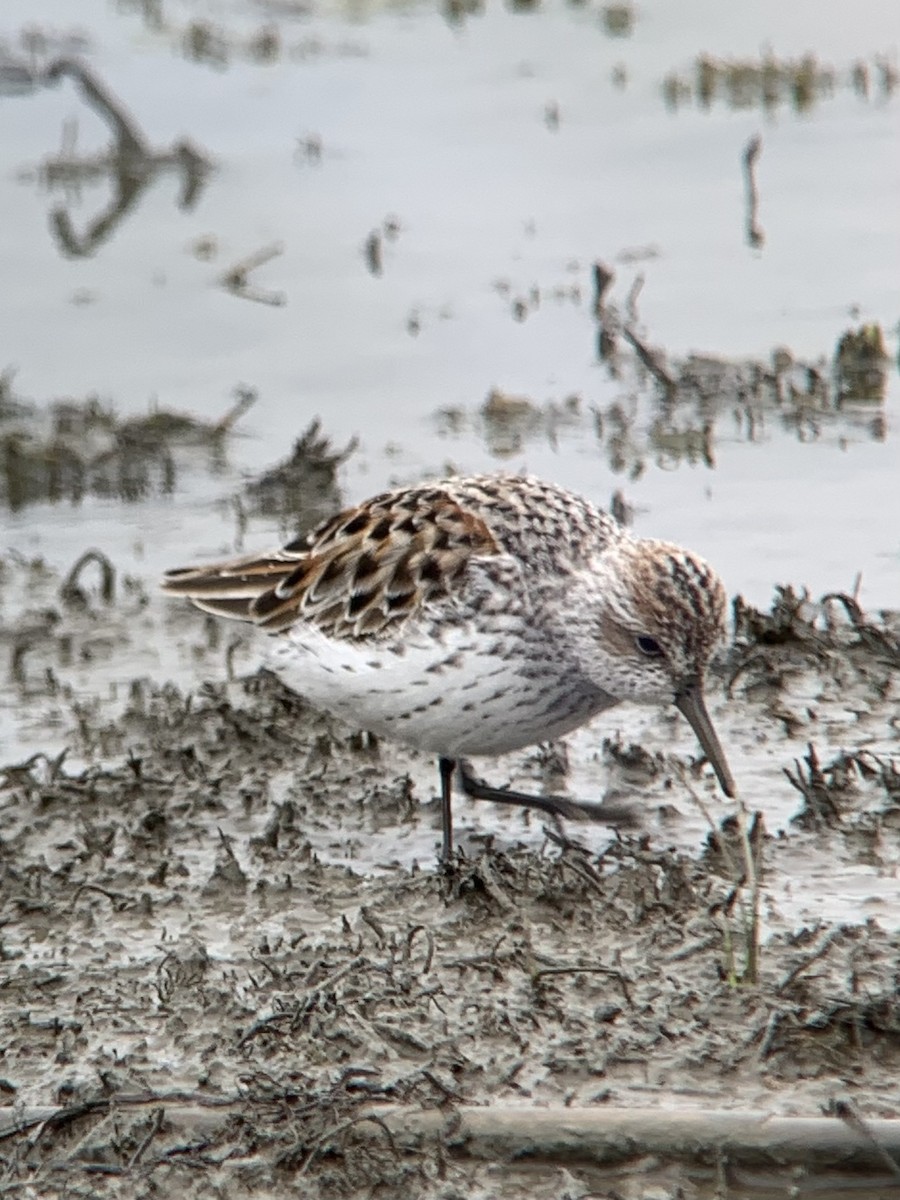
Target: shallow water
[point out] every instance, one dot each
(510, 149)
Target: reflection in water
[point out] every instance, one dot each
(860, 367)
(697, 390)
(611, 324)
(618, 19)
(752, 229)
(70, 449)
(301, 491)
(373, 246)
(129, 163)
(507, 423)
(203, 43)
(673, 415)
(213, 45)
(769, 82)
(456, 11)
(236, 279)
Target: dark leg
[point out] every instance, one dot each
(558, 806)
(447, 766)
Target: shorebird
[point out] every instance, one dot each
(476, 616)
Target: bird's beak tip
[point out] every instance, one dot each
(692, 705)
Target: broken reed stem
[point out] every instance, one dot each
(751, 935)
(126, 136)
(749, 878)
(597, 1136)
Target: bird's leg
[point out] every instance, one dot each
(558, 806)
(447, 766)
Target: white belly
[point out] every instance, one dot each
(466, 694)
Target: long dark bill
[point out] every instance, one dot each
(691, 704)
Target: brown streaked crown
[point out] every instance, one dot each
(682, 599)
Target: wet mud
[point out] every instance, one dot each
(211, 985)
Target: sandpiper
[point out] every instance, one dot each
(476, 616)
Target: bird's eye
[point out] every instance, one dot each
(649, 646)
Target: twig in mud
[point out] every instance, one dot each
(876, 639)
(768, 1037)
(302, 1007)
(337, 1131)
(607, 318)
(446, 1091)
(632, 298)
(610, 971)
(586, 873)
(375, 1038)
(374, 924)
(754, 657)
(118, 900)
(262, 1024)
(807, 961)
(847, 1112)
(564, 841)
(479, 873)
(230, 650)
(275, 974)
(620, 509)
(482, 960)
(313, 970)
(604, 277)
(235, 279)
(610, 323)
(23, 773)
(692, 948)
(155, 1126)
(813, 787)
(396, 1034)
(429, 946)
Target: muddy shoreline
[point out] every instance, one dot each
(182, 917)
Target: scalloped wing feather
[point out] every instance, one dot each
(361, 574)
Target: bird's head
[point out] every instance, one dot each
(661, 616)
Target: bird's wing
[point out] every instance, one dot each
(359, 575)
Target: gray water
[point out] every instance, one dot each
(512, 149)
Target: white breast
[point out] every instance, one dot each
(457, 691)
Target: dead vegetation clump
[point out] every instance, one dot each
(771, 82)
(174, 943)
(69, 449)
(198, 985)
(848, 651)
(304, 486)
